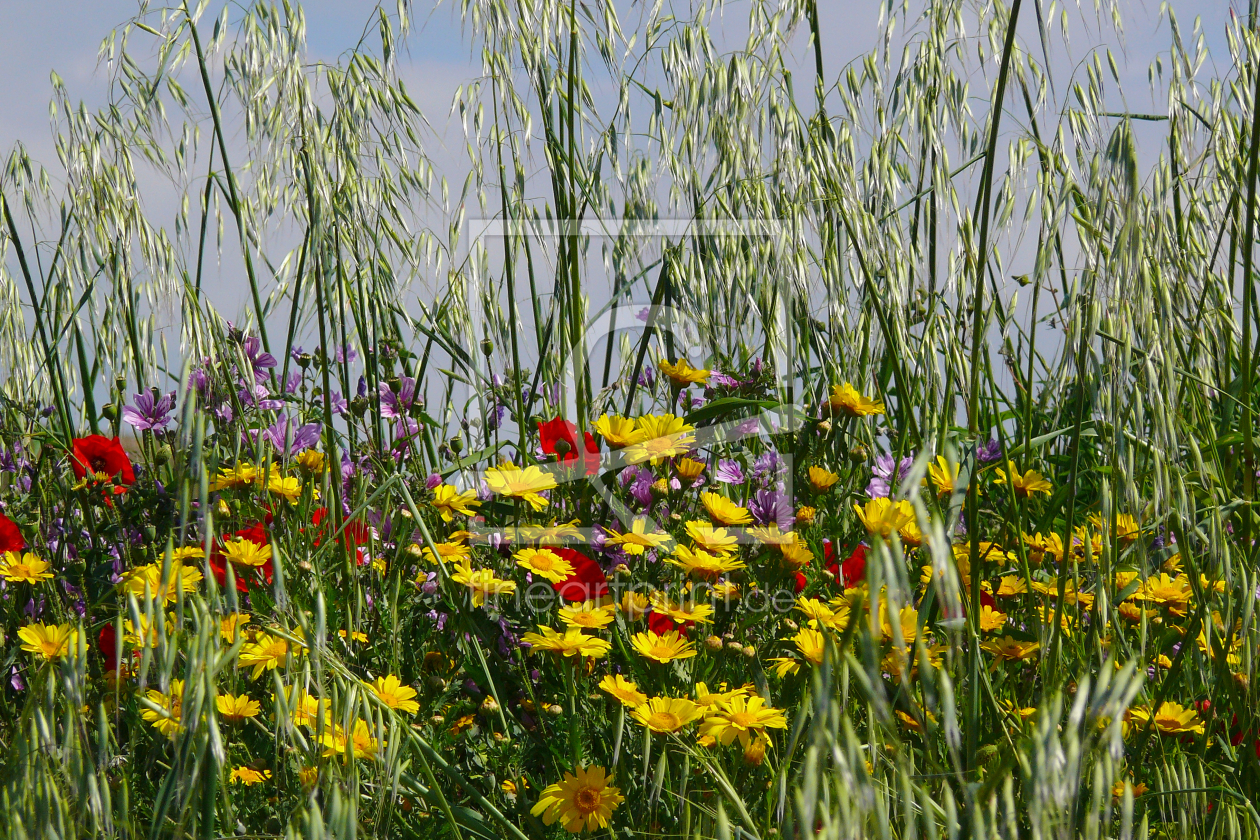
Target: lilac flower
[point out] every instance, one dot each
(886, 472)
(768, 468)
(296, 353)
(432, 481)
(15, 679)
(346, 354)
(643, 313)
(258, 360)
(397, 405)
(642, 492)
(338, 404)
(647, 377)
(772, 506)
(729, 472)
(748, 427)
(989, 452)
(150, 413)
(223, 414)
(363, 386)
(429, 586)
(260, 398)
(495, 419)
(291, 384)
(285, 438)
(199, 380)
(716, 377)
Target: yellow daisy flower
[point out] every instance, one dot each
(582, 801)
(236, 708)
(544, 563)
(666, 714)
(50, 641)
(527, 484)
(683, 374)
(618, 432)
(390, 691)
(662, 647)
(587, 615)
(723, 511)
(23, 568)
(572, 643)
(1023, 484)
(664, 436)
(626, 692)
(848, 400)
(449, 502)
(638, 538)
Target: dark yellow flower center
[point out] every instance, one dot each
(586, 800)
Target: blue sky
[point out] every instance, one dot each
(40, 36)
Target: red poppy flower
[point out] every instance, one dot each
(661, 623)
(10, 536)
(257, 534)
(801, 582)
(354, 532)
(587, 581)
(98, 454)
(560, 429)
(852, 571)
(107, 644)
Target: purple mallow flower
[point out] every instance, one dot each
(989, 452)
(729, 472)
(768, 468)
(772, 506)
(260, 398)
(397, 405)
(885, 473)
(285, 438)
(259, 361)
(150, 412)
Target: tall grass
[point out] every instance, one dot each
(994, 250)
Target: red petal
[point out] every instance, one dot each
(587, 581)
(10, 536)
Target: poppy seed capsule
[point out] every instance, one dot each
(562, 448)
(109, 411)
(487, 347)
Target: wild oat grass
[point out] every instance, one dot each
(727, 488)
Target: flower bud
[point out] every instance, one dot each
(163, 454)
(713, 643)
(750, 652)
(555, 710)
(858, 453)
(487, 347)
(489, 706)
